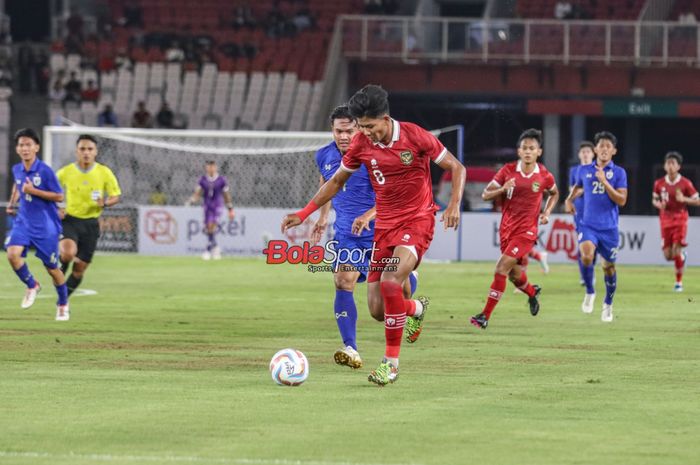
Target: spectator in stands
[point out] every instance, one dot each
(57, 92)
(373, 7)
(91, 93)
(122, 60)
(25, 60)
(563, 10)
(165, 116)
(73, 89)
(687, 18)
(303, 19)
(243, 17)
(142, 117)
(74, 24)
(175, 53)
(107, 118)
(133, 14)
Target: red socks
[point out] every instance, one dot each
(678, 259)
(524, 285)
(497, 287)
(536, 255)
(395, 309)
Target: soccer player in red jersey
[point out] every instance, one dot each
(521, 185)
(397, 156)
(672, 195)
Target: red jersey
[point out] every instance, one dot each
(522, 204)
(675, 213)
(399, 172)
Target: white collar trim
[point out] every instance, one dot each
(396, 132)
(519, 169)
(668, 180)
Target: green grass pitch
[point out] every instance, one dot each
(168, 363)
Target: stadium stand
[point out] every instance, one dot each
(218, 66)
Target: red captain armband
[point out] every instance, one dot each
(307, 210)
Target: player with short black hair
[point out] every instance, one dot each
(213, 188)
(397, 155)
(672, 195)
(521, 185)
(604, 188)
(90, 187)
(37, 223)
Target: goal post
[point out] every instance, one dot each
(270, 173)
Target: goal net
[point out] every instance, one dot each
(271, 171)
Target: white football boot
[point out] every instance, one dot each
(587, 305)
(30, 296)
(62, 313)
(607, 315)
(206, 255)
(349, 357)
(543, 262)
(216, 253)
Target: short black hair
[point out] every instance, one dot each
(86, 137)
(341, 112)
(605, 135)
(584, 144)
(675, 155)
(531, 134)
(210, 162)
(371, 101)
(27, 132)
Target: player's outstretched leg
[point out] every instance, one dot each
(346, 318)
(19, 266)
(59, 281)
(519, 278)
(610, 287)
(385, 374)
(679, 261)
(503, 269)
(587, 252)
(414, 322)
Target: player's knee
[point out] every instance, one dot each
(344, 283)
(377, 312)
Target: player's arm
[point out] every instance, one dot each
(51, 196)
(574, 193)
(494, 190)
(324, 194)
(450, 217)
(319, 228)
(228, 201)
(552, 200)
(362, 222)
(693, 200)
(196, 195)
(11, 208)
(657, 202)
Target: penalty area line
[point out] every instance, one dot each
(172, 459)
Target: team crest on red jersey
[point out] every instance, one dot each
(535, 187)
(406, 157)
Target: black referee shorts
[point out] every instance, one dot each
(84, 232)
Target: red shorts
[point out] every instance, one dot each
(674, 234)
(518, 247)
(417, 233)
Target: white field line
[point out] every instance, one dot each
(46, 295)
(171, 459)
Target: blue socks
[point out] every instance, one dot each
(587, 272)
(62, 292)
(414, 282)
(346, 316)
(25, 276)
(610, 286)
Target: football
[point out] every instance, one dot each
(289, 367)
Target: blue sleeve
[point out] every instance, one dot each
(319, 161)
(52, 183)
(572, 175)
(577, 180)
(621, 179)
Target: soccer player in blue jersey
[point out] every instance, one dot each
(354, 233)
(37, 223)
(585, 155)
(604, 188)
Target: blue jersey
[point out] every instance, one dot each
(356, 197)
(578, 201)
(599, 211)
(38, 217)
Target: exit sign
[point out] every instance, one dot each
(640, 108)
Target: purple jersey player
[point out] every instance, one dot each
(214, 190)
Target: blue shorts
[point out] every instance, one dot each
(355, 251)
(46, 247)
(606, 241)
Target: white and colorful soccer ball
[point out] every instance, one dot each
(289, 367)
